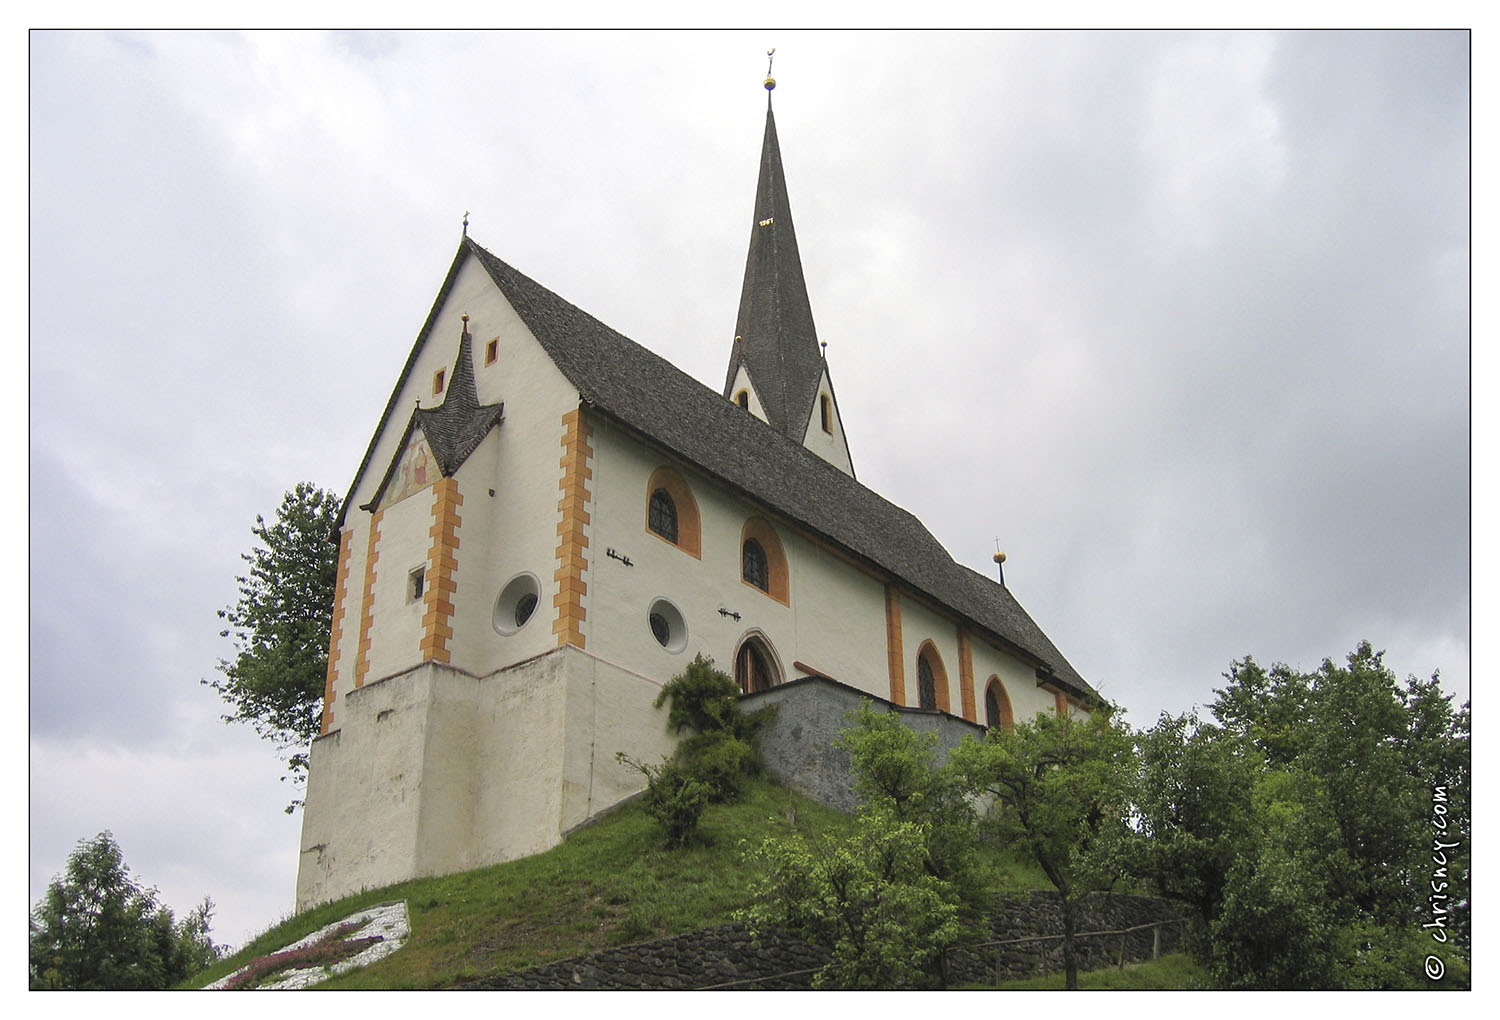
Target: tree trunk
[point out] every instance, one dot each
(1070, 957)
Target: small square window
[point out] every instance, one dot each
(416, 584)
(492, 351)
(438, 378)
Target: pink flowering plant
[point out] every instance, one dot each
(326, 951)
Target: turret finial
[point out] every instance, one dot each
(770, 56)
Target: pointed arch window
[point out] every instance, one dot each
(672, 512)
(997, 711)
(763, 561)
(932, 679)
(926, 684)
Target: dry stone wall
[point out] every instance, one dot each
(727, 958)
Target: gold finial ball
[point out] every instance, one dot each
(770, 84)
(999, 557)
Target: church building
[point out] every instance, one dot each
(551, 521)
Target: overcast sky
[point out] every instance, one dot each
(1181, 319)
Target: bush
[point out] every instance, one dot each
(674, 798)
(712, 764)
(720, 761)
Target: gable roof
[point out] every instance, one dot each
(647, 394)
(454, 428)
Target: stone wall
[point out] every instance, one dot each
(798, 748)
(727, 958)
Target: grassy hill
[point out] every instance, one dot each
(610, 883)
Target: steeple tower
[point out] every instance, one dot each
(776, 368)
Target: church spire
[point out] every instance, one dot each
(775, 342)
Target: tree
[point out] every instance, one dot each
(281, 623)
(868, 898)
(96, 928)
(1301, 825)
(1060, 787)
(883, 900)
(1192, 803)
(896, 770)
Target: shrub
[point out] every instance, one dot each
(674, 798)
(713, 763)
(720, 761)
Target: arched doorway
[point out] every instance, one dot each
(755, 666)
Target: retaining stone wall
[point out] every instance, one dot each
(797, 747)
(727, 957)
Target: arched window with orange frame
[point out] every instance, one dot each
(997, 711)
(672, 512)
(763, 561)
(932, 678)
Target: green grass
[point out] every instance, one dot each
(610, 883)
(1173, 972)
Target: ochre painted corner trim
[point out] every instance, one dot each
(336, 627)
(895, 658)
(367, 602)
(572, 542)
(437, 598)
(966, 675)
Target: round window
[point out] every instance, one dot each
(524, 608)
(667, 626)
(516, 604)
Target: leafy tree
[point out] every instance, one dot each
(1301, 824)
(885, 899)
(895, 769)
(281, 623)
(868, 898)
(1192, 810)
(1060, 788)
(96, 928)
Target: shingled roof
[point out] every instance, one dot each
(617, 377)
(774, 334)
(454, 428)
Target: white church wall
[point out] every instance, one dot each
(919, 624)
(396, 619)
(359, 825)
(835, 622)
(608, 709)
(435, 771)
(620, 629)
(840, 619)
(1026, 698)
(512, 532)
(474, 293)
